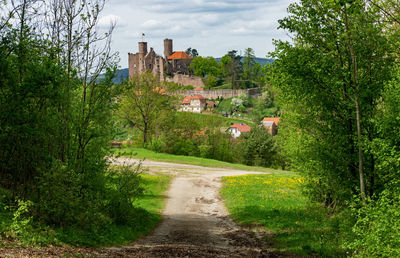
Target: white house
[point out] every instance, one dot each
(237, 129)
(195, 104)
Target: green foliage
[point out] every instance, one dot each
(225, 106)
(22, 219)
(55, 128)
(189, 134)
(232, 67)
(265, 106)
(205, 66)
(18, 226)
(315, 85)
(192, 52)
(211, 82)
(376, 231)
(145, 104)
(124, 187)
(257, 148)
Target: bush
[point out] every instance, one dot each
(211, 82)
(123, 188)
(258, 148)
(59, 202)
(377, 228)
(157, 144)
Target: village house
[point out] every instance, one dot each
(195, 104)
(271, 124)
(237, 129)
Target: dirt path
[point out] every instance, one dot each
(196, 222)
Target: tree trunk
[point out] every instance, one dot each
(357, 106)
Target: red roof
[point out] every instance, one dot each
(199, 97)
(242, 127)
(186, 100)
(179, 55)
(272, 119)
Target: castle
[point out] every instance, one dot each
(174, 64)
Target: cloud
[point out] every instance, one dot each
(106, 21)
(151, 24)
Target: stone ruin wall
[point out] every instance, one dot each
(214, 94)
(195, 81)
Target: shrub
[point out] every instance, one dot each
(377, 231)
(157, 144)
(123, 188)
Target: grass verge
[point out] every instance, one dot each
(274, 204)
(139, 153)
(148, 210)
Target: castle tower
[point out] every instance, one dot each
(167, 48)
(142, 54)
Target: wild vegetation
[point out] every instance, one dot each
(338, 88)
(55, 128)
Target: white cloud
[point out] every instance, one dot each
(150, 24)
(106, 21)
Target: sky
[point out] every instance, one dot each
(212, 27)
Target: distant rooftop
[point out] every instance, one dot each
(179, 55)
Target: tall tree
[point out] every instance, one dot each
(143, 103)
(232, 67)
(328, 84)
(192, 52)
(55, 120)
(248, 65)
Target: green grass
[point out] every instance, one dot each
(147, 216)
(275, 203)
(139, 153)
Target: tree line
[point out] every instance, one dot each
(56, 116)
(233, 70)
(338, 86)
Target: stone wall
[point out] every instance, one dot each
(195, 81)
(213, 94)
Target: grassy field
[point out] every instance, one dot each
(148, 210)
(139, 153)
(275, 204)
